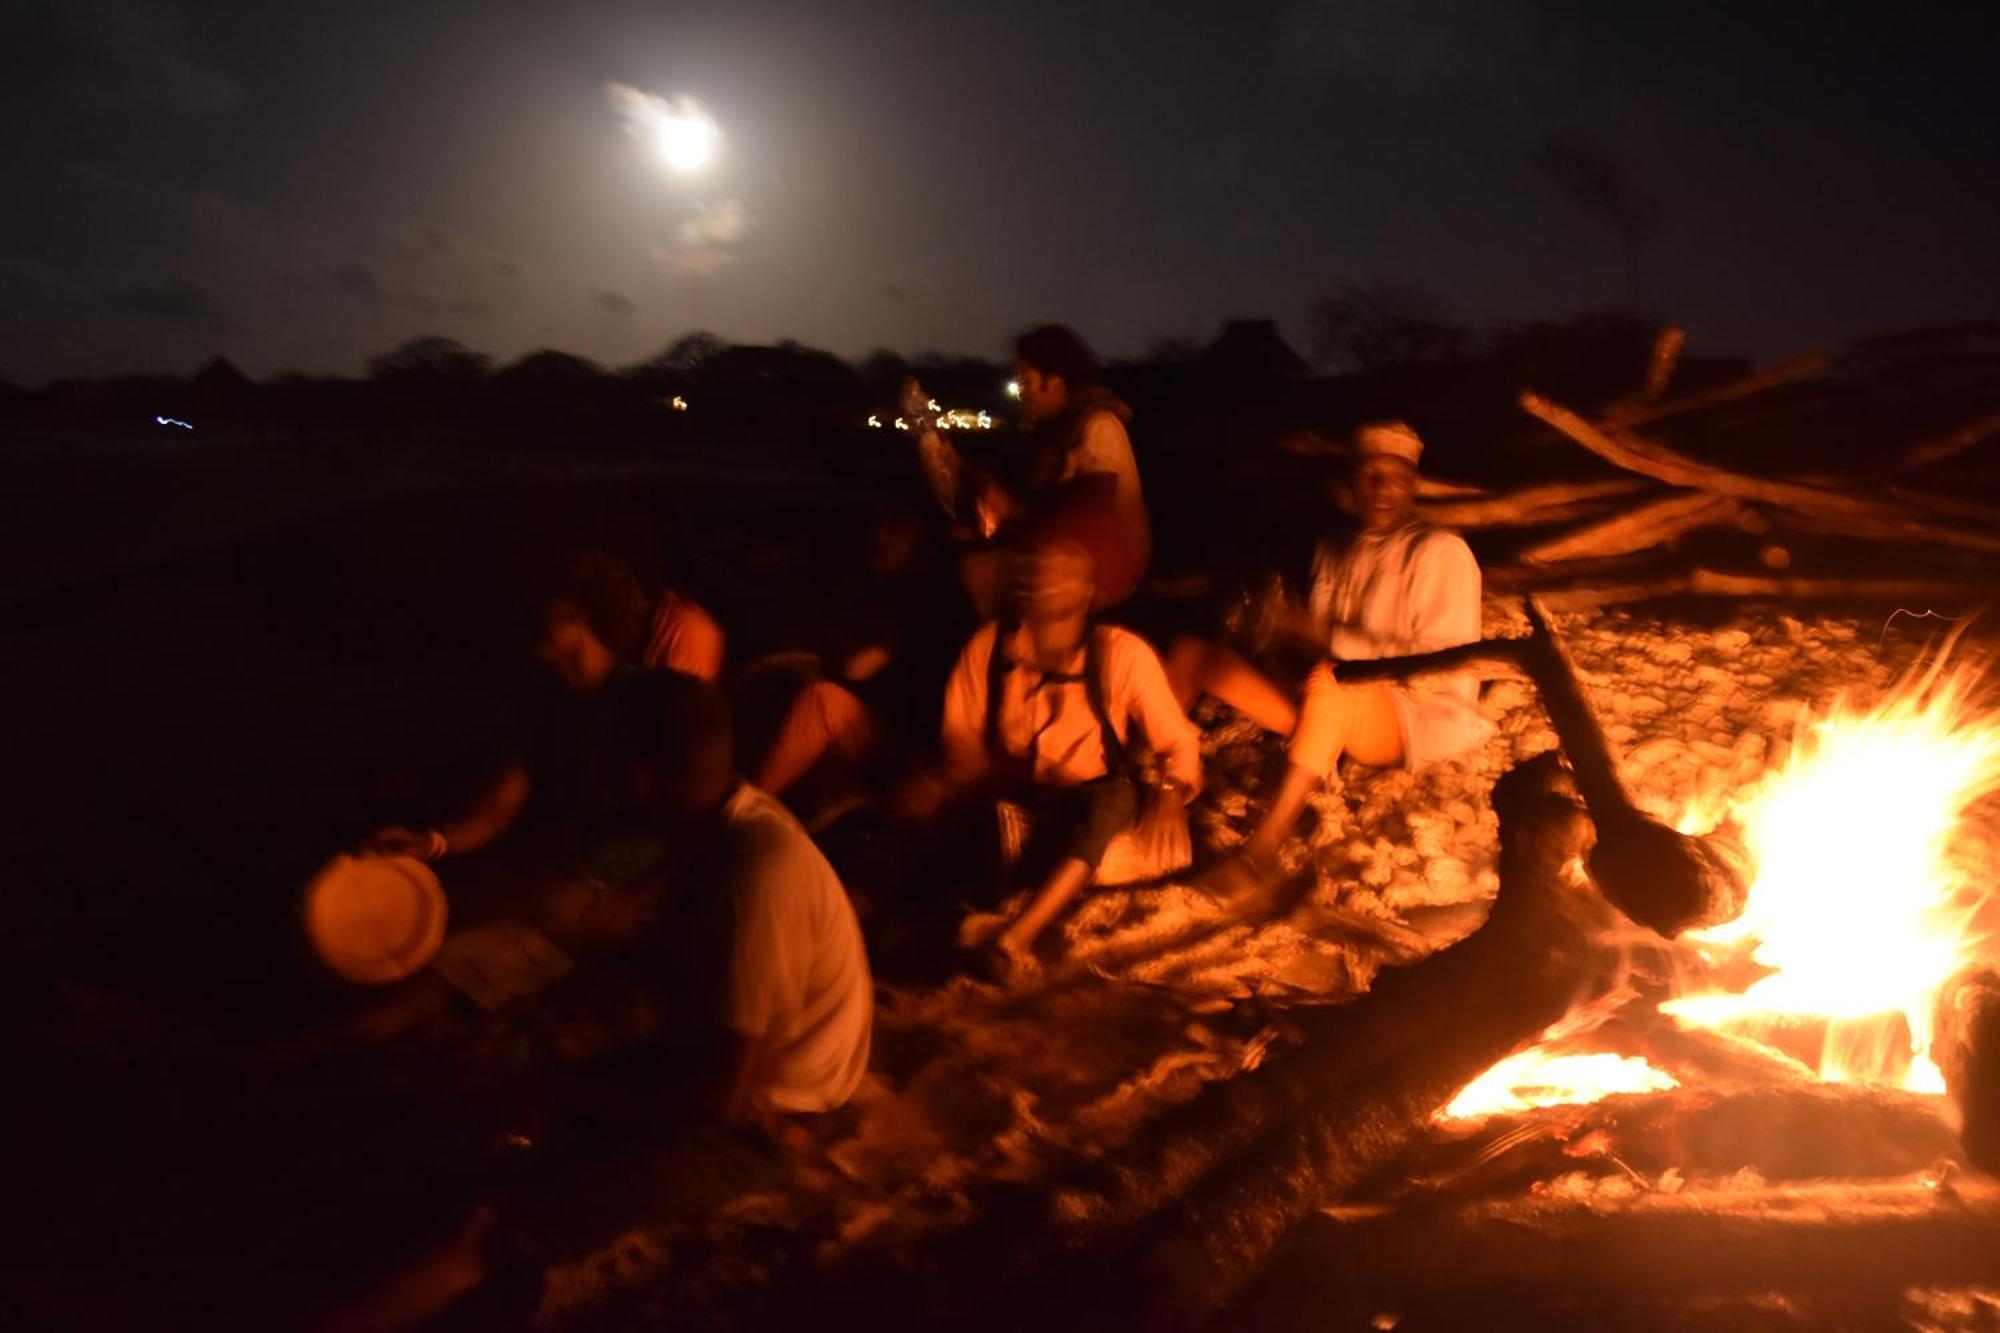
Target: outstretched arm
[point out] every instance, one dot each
(490, 813)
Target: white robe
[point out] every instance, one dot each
(1412, 590)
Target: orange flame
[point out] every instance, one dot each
(1869, 889)
(1866, 897)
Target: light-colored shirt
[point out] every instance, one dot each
(798, 973)
(1413, 590)
(1105, 448)
(684, 638)
(1048, 716)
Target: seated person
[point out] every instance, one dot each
(590, 618)
(1402, 585)
(683, 637)
(775, 1012)
(1044, 710)
(590, 623)
(792, 990)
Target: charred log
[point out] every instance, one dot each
(1966, 1045)
(1659, 877)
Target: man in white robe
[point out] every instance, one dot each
(1403, 585)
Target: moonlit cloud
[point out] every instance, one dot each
(705, 242)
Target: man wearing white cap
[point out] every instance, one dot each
(1402, 585)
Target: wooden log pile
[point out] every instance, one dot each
(1884, 531)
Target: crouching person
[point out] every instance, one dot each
(1048, 710)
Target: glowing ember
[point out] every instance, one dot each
(1536, 1078)
(1862, 905)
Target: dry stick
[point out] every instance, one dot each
(1946, 504)
(1946, 446)
(1437, 488)
(1591, 597)
(1871, 517)
(1529, 506)
(1720, 583)
(1666, 355)
(1639, 528)
(1783, 373)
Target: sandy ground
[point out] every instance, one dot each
(1162, 989)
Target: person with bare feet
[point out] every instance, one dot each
(1048, 710)
(1401, 585)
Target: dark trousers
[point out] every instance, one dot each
(1078, 823)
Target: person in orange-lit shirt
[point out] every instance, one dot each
(1048, 710)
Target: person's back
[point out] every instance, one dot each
(798, 978)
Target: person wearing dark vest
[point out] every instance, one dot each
(1049, 709)
(1078, 455)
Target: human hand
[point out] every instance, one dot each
(394, 840)
(911, 400)
(1163, 833)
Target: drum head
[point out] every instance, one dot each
(375, 919)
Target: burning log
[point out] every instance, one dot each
(1646, 525)
(1966, 1045)
(1369, 1074)
(1530, 506)
(1178, 1221)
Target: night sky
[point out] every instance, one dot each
(299, 186)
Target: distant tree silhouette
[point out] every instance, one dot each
(677, 366)
(428, 362)
(1379, 325)
(1173, 351)
(691, 351)
(883, 366)
(549, 368)
(1594, 180)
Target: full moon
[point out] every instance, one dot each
(685, 135)
(678, 129)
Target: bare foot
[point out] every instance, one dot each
(1011, 965)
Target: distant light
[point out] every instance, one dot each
(874, 422)
(173, 421)
(902, 424)
(933, 405)
(678, 403)
(1014, 389)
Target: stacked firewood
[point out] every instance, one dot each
(1625, 537)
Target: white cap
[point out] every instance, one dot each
(1392, 438)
